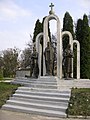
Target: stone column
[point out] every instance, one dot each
(39, 50)
(78, 58)
(59, 50)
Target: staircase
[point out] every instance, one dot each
(39, 96)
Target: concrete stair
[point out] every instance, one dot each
(41, 98)
(39, 83)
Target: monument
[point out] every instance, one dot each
(38, 96)
(34, 64)
(60, 34)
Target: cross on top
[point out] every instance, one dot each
(51, 6)
(51, 11)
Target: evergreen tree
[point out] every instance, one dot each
(67, 26)
(79, 35)
(85, 49)
(83, 36)
(37, 29)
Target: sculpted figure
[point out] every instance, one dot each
(49, 59)
(34, 64)
(67, 61)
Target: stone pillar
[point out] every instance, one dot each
(39, 50)
(59, 50)
(78, 58)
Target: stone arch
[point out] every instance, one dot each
(78, 58)
(70, 37)
(70, 42)
(39, 50)
(59, 41)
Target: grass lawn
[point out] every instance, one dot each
(6, 90)
(5, 78)
(79, 102)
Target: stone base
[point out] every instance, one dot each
(68, 78)
(73, 83)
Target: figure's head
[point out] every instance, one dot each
(34, 49)
(69, 46)
(48, 44)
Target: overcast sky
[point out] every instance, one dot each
(18, 17)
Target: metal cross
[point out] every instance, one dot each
(51, 6)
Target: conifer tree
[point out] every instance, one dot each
(37, 29)
(85, 49)
(83, 35)
(79, 35)
(67, 26)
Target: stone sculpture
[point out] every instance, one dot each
(34, 64)
(67, 61)
(49, 59)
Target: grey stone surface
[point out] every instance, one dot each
(42, 98)
(38, 101)
(74, 83)
(54, 81)
(22, 73)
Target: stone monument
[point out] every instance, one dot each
(59, 35)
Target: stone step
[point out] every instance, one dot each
(40, 93)
(65, 104)
(47, 98)
(68, 91)
(37, 105)
(41, 79)
(34, 82)
(37, 85)
(48, 79)
(39, 96)
(34, 111)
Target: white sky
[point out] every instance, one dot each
(18, 18)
